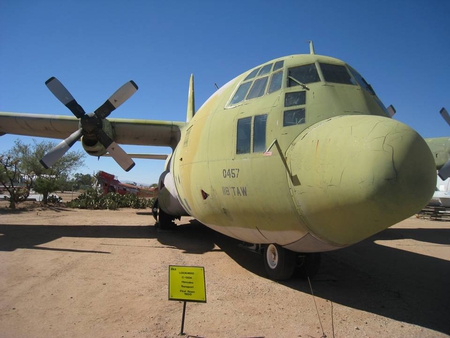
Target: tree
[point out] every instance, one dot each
(44, 181)
(83, 180)
(10, 178)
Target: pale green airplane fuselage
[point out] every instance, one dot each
(300, 152)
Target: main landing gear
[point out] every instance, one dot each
(164, 221)
(281, 263)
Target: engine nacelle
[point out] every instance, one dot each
(168, 199)
(91, 144)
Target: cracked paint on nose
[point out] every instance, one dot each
(357, 175)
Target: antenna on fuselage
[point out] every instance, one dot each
(311, 47)
(191, 100)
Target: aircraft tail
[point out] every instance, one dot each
(191, 100)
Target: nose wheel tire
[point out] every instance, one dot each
(279, 262)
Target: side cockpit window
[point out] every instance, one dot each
(251, 134)
(244, 133)
(260, 81)
(361, 81)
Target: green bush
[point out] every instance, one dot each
(92, 199)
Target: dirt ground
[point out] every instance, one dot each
(79, 273)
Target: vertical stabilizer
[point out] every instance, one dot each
(191, 100)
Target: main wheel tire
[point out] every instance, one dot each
(155, 208)
(165, 221)
(279, 262)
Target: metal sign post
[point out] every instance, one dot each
(187, 283)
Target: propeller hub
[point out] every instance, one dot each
(90, 123)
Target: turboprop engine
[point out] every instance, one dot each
(94, 129)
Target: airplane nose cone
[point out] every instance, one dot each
(353, 176)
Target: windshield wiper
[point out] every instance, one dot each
(298, 82)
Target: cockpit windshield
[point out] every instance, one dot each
(336, 74)
(302, 75)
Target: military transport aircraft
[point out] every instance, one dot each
(297, 156)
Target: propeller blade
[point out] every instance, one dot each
(57, 152)
(444, 172)
(120, 96)
(63, 95)
(445, 115)
(119, 155)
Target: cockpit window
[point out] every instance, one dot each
(252, 74)
(241, 92)
(295, 99)
(275, 82)
(258, 88)
(244, 133)
(265, 70)
(361, 81)
(278, 65)
(255, 83)
(336, 74)
(302, 74)
(293, 117)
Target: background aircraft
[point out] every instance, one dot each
(296, 155)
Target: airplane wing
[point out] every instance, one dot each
(127, 131)
(146, 156)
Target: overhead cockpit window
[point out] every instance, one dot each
(275, 82)
(255, 83)
(302, 75)
(265, 70)
(294, 117)
(252, 74)
(258, 88)
(241, 92)
(278, 65)
(336, 74)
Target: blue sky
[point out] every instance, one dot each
(401, 47)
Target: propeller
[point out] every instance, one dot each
(90, 124)
(444, 114)
(444, 172)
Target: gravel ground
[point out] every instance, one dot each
(79, 273)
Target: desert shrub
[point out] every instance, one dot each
(93, 199)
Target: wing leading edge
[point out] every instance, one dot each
(127, 131)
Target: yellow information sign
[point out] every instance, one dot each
(187, 283)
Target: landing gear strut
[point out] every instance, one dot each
(164, 221)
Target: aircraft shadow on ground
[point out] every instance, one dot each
(31, 236)
(369, 276)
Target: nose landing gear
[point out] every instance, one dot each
(281, 263)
